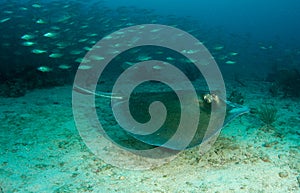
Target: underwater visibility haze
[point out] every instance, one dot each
(149, 96)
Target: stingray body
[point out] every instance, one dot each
(139, 109)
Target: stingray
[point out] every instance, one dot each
(139, 103)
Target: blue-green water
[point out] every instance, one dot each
(43, 44)
(264, 36)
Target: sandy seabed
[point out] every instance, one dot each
(42, 151)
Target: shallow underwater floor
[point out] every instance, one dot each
(41, 151)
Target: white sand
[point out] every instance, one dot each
(41, 151)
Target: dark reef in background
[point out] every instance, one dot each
(17, 84)
(285, 82)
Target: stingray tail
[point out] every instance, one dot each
(97, 93)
